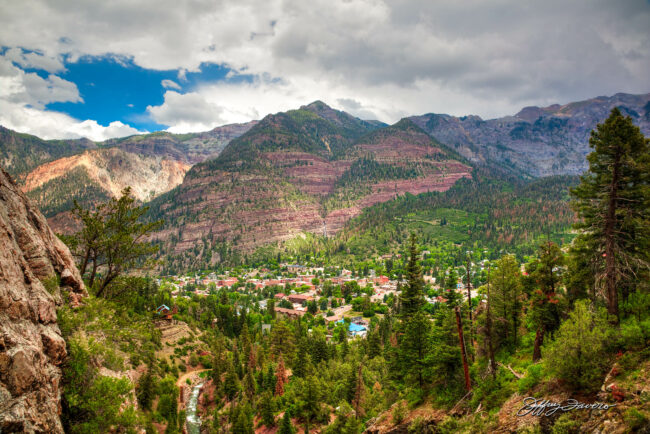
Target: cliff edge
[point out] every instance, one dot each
(31, 346)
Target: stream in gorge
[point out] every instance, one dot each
(192, 421)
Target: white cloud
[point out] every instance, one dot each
(372, 57)
(186, 112)
(170, 84)
(54, 125)
(31, 89)
(23, 97)
(34, 60)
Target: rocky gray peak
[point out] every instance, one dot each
(31, 346)
(537, 141)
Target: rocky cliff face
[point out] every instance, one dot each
(537, 141)
(31, 346)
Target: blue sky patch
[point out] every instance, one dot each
(117, 89)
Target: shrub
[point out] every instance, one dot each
(420, 426)
(632, 335)
(532, 378)
(565, 425)
(577, 355)
(634, 419)
(399, 412)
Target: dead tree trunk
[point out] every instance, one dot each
(488, 327)
(459, 323)
(469, 304)
(610, 259)
(539, 340)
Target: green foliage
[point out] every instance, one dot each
(111, 242)
(59, 194)
(578, 353)
(506, 301)
(92, 402)
(612, 201)
(416, 349)
(145, 390)
(412, 298)
(266, 410)
(399, 412)
(565, 424)
(531, 379)
(286, 427)
(634, 419)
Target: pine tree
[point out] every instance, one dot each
(249, 384)
(231, 383)
(300, 365)
(452, 297)
(544, 311)
(145, 391)
(266, 410)
(416, 347)
(612, 201)
(412, 298)
(506, 300)
(374, 344)
(269, 379)
(286, 427)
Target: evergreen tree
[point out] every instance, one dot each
(113, 240)
(249, 384)
(231, 383)
(544, 312)
(506, 301)
(266, 410)
(286, 427)
(412, 298)
(145, 391)
(241, 419)
(374, 344)
(451, 295)
(416, 347)
(612, 201)
(269, 379)
(300, 365)
(578, 353)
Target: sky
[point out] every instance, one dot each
(102, 69)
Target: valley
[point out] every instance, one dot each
(318, 273)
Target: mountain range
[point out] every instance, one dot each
(309, 170)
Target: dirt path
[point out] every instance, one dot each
(181, 380)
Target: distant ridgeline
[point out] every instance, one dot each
(244, 192)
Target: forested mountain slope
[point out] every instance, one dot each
(306, 170)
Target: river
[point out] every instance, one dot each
(192, 420)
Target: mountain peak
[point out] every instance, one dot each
(317, 105)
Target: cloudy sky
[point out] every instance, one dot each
(100, 69)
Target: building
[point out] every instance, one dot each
(165, 312)
(300, 298)
(289, 313)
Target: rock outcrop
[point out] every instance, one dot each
(31, 346)
(537, 141)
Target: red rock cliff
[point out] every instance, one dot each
(31, 346)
